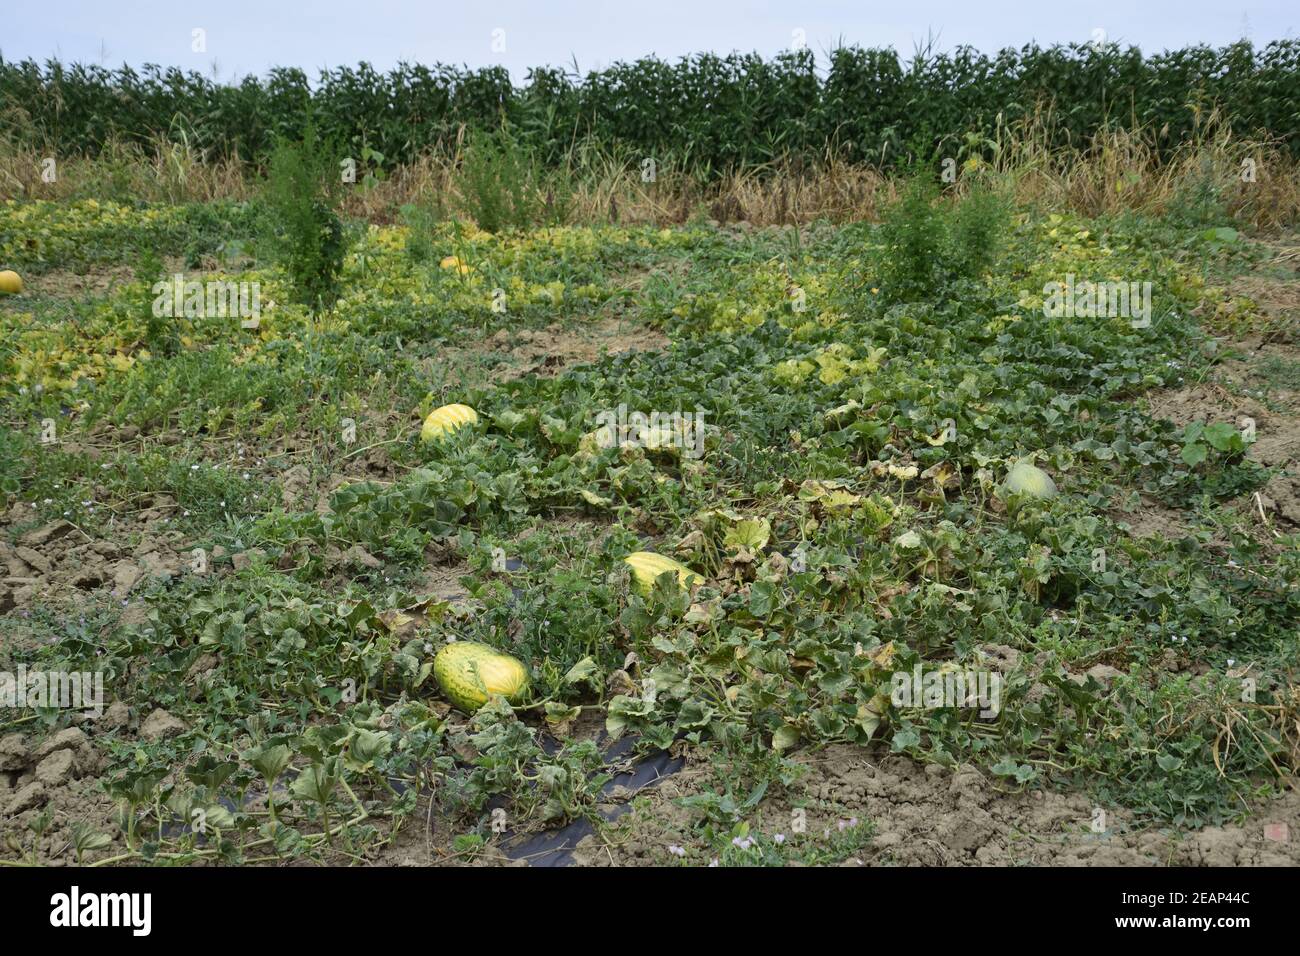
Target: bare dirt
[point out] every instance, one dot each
(59, 564)
(937, 816)
(67, 284)
(1276, 296)
(55, 778)
(1153, 520)
(546, 353)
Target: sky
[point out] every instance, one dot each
(233, 38)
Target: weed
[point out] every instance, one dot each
(304, 231)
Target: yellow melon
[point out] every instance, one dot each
(469, 673)
(445, 420)
(647, 566)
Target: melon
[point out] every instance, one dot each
(1029, 480)
(647, 566)
(10, 282)
(445, 420)
(469, 673)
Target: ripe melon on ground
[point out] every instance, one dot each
(445, 420)
(10, 282)
(469, 673)
(647, 566)
(1027, 479)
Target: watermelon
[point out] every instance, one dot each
(445, 420)
(647, 566)
(469, 673)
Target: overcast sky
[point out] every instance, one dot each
(240, 36)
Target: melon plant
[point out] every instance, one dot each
(469, 673)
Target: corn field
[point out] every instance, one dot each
(714, 113)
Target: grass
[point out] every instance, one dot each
(858, 421)
(1213, 174)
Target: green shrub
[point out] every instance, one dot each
(977, 233)
(498, 182)
(1198, 200)
(912, 240)
(925, 244)
(161, 335)
(303, 230)
(420, 220)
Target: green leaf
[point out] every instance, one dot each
(1169, 763)
(1194, 454)
(366, 747)
(210, 772)
(785, 737)
(269, 761)
(751, 533)
(581, 671)
(762, 598)
(1006, 767)
(1224, 437)
(1223, 234)
(317, 782)
(905, 738)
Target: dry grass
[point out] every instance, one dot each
(166, 171)
(600, 188)
(1118, 170)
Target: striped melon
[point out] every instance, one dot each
(469, 673)
(445, 420)
(647, 566)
